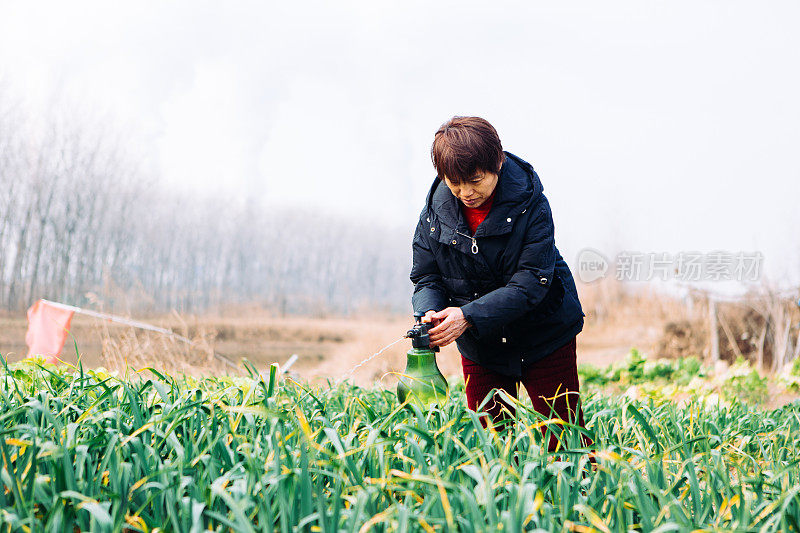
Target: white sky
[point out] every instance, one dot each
(654, 126)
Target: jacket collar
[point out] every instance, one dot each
(517, 188)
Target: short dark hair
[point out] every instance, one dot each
(464, 145)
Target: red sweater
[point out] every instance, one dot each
(476, 215)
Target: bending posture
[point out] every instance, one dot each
(487, 273)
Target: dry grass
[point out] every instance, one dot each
(132, 348)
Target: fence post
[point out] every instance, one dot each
(712, 325)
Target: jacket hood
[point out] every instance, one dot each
(518, 188)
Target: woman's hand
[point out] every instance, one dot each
(429, 318)
(449, 325)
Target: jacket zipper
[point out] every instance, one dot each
(474, 242)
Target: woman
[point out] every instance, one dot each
(487, 273)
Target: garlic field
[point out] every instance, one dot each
(84, 450)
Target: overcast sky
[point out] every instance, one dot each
(654, 126)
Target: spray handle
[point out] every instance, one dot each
(419, 333)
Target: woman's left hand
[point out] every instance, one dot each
(452, 324)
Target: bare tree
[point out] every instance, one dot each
(78, 214)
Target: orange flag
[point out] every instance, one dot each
(48, 327)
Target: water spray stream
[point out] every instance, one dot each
(368, 359)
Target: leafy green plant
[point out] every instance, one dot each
(660, 369)
(592, 375)
(795, 370)
(750, 387)
(85, 450)
(636, 369)
(635, 362)
(688, 367)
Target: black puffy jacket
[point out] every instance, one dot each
(509, 278)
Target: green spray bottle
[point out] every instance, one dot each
(422, 379)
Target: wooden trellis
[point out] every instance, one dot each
(781, 325)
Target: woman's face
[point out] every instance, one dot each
(474, 191)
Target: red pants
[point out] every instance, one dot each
(551, 382)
